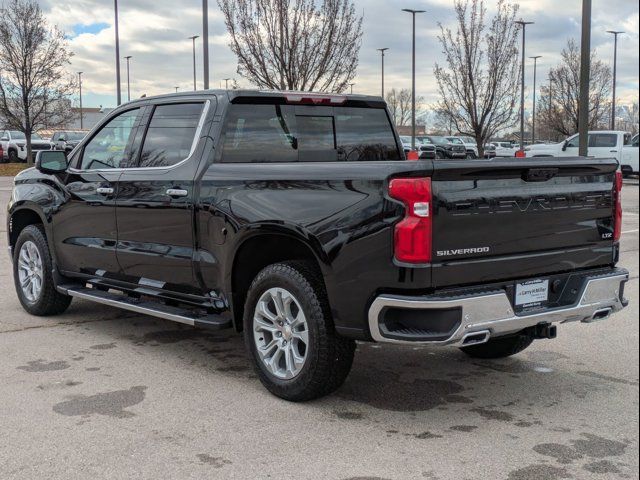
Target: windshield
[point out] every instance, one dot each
(439, 140)
(425, 140)
(455, 140)
(405, 139)
(16, 135)
(73, 136)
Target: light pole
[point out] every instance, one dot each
(351, 85)
(533, 122)
(193, 39)
(523, 24)
(205, 42)
(585, 72)
(176, 89)
(128, 59)
(382, 50)
(413, 77)
(615, 68)
(81, 112)
(226, 83)
(118, 86)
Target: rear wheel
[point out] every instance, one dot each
(289, 334)
(13, 156)
(471, 156)
(439, 155)
(33, 274)
(500, 347)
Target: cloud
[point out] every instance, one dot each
(155, 33)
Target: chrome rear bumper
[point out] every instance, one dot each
(491, 314)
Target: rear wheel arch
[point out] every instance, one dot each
(258, 252)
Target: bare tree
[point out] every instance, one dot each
(399, 103)
(306, 45)
(558, 105)
(35, 90)
(479, 86)
(628, 118)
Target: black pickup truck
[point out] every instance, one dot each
(296, 219)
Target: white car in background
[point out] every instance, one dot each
(602, 144)
(629, 160)
(14, 145)
(505, 149)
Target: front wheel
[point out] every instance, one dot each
(33, 274)
(13, 156)
(500, 347)
(290, 336)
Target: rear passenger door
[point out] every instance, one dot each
(155, 203)
(603, 145)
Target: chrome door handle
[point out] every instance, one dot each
(177, 192)
(105, 190)
(613, 151)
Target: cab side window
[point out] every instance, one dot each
(607, 140)
(170, 135)
(574, 142)
(109, 147)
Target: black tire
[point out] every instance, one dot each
(471, 156)
(439, 155)
(500, 347)
(50, 301)
(13, 156)
(328, 356)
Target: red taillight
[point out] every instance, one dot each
(521, 154)
(413, 155)
(412, 239)
(617, 206)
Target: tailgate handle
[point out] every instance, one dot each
(539, 174)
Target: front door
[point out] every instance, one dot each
(85, 233)
(155, 203)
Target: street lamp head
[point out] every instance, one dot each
(382, 49)
(536, 57)
(615, 32)
(523, 23)
(409, 10)
(128, 57)
(194, 37)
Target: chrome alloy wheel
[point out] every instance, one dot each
(280, 333)
(30, 271)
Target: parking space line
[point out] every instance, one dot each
(631, 231)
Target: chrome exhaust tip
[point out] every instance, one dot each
(475, 338)
(602, 314)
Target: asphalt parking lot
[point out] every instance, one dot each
(101, 393)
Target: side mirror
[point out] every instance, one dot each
(566, 144)
(51, 161)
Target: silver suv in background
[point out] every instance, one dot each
(14, 145)
(472, 147)
(66, 140)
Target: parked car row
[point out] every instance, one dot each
(13, 144)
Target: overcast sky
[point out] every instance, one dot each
(155, 33)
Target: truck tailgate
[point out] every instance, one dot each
(516, 218)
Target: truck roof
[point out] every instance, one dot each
(256, 93)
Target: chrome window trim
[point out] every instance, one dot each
(194, 145)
